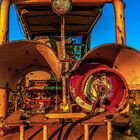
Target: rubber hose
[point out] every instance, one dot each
(74, 124)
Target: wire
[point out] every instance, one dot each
(61, 130)
(57, 130)
(83, 133)
(82, 119)
(54, 133)
(74, 124)
(93, 132)
(30, 138)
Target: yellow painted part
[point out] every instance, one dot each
(83, 104)
(109, 130)
(22, 132)
(126, 109)
(86, 133)
(45, 134)
(3, 102)
(120, 27)
(65, 115)
(4, 22)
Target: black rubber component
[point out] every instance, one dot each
(74, 124)
(30, 138)
(54, 133)
(93, 132)
(60, 132)
(83, 133)
(60, 129)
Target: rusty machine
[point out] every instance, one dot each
(53, 86)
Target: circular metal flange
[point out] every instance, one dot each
(92, 81)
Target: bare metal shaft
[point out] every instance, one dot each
(63, 57)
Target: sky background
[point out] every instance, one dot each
(104, 31)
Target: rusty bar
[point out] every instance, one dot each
(22, 132)
(4, 25)
(3, 103)
(120, 25)
(63, 57)
(78, 2)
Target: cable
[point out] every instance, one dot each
(57, 130)
(54, 133)
(30, 138)
(93, 132)
(61, 130)
(83, 133)
(82, 119)
(74, 124)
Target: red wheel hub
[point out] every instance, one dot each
(91, 80)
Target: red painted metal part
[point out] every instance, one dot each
(113, 87)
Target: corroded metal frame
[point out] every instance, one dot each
(4, 22)
(118, 8)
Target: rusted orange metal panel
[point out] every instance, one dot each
(21, 57)
(3, 102)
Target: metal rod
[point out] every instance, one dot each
(120, 25)
(109, 130)
(22, 132)
(63, 57)
(63, 37)
(4, 25)
(45, 134)
(86, 133)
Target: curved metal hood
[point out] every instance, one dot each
(123, 59)
(20, 57)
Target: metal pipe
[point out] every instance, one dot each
(45, 129)
(5, 6)
(22, 132)
(120, 25)
(3, 103)
(86, 134)
(63, 37)
(63, 57)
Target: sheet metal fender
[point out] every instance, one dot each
(123, 59)
(20, 57)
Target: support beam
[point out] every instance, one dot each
(3, 103)
(86, 132)
(45, 130)
(22, 132)
(120, 25)
(4, 25)
(75, 2)
(109, 130)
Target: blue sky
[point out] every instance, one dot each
(104, 31)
